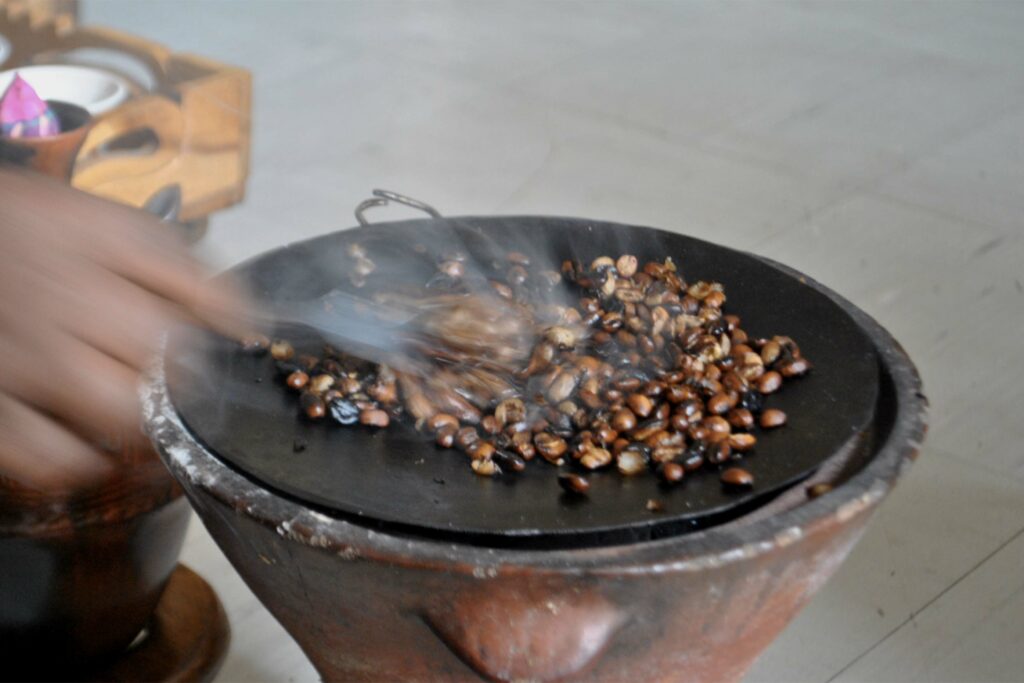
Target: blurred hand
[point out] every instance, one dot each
(86, 288)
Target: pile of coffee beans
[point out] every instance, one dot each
(632, 368)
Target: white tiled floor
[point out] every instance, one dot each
(877, 146)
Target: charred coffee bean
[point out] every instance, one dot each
(752, 401)
(769, 382)
(297, 380)
(573, 483)
(737, 477)
(508, 462)
(312, 405)
(692, 460)
(344, 412)
(773, 417)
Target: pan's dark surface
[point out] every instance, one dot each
(397, 479)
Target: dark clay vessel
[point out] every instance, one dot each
(80, 577)
(372, 605)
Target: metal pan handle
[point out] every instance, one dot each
(382, 197)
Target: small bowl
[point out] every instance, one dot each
(95, 90)
(5, 49)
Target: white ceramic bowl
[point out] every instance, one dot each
(5, 49)
(95, 90)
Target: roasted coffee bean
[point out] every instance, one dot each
(631, 461)
(646, 429)
(516, 276)
(320, 383)
(663, 411)
(679, 422)
(640, 405)
(737, 477)
(489, 425)
(550, 447)
(628, 384)
(740, 418)
(769, 382)
(795, 368)
(667, 453)
(297, 380)
(563, 385)
(770, 352)
(312, 405)
(445, 436)
(442, 420)
(604, 434)
(718, 452)
(718, 404)
(374, 418)
(653, 505)
(573, 483)
(717, 425)
(626, 265)
(508, 462)
(510, 411)
(561, 337)
(485, 467)
(307, 362)
(466, 438)
(255, 343)
(624, 420)
(594, 457)
(281, 350)
(671, 472)
(481, 450)
(816, 490)
(773, 417)
(742, 442)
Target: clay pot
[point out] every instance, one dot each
(370, 606)
(82, 575)
(54, 155)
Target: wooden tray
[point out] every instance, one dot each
(180, 148)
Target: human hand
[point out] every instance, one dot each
(86, 289)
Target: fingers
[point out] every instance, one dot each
(94, 394)
(38, 452)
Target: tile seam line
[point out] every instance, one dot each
(923, 608)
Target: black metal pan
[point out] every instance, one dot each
(397, 479)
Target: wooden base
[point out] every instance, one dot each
(185, 641)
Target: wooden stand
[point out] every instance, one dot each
(185, 641)
(184, 140)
